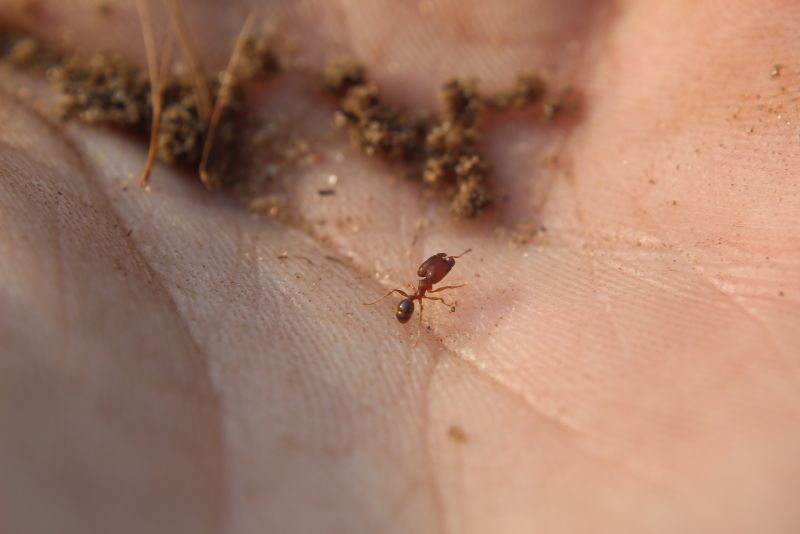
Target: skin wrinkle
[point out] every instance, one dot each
(10, 153)
(425, 439)
(443, 517)
(711, 280)
(478, 368)
(301, 264)
(59, 278)
(532, 418)
(86, 171)
(605, 305)
(575, 435)
(140, 259)
(769, 335)
(459, 329)
(713, 303)
(692, 263)
(152, 275)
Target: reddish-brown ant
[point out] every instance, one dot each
(432, 271)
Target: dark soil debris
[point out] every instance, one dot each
(562, 103)
(379, 129)
(25, 52)
(528, 89)
(106, 90)
(343, 74)
(103, 90)
(451, 149)
(259, 60)
(273, 205)
(441, 151)
(455, 136)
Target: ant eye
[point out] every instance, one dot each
(404, 310)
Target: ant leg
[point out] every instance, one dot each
(456, 257)
(419, 323)
(446, 287)
(406, 295)
(440, 300)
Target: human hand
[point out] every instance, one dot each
(166, 367)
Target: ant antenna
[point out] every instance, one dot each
(456, 257)
(406, 295)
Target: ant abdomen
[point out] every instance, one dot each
(405, 310)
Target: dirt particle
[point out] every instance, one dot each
(461, 101)
(306, 259)
(455, 136)
(103, 90)
(528, 88)
(471, 198)
(451, 150)
(258, 60)
(181, 134)
(775, 72)
(457, 434)
(564, 102)
(422, 223)
(103, 7)
(523, 234)
(551, 161)
(376, 128)
(334, 259)
(23, 52)
(272, 205)
(342, 74)
(520, 234)
(26, 52)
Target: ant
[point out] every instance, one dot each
(430, 272)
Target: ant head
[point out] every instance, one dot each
(405, 310)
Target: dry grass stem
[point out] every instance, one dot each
(228, 78)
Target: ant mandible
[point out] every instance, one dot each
(432, 271)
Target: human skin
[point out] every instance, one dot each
(635, 368)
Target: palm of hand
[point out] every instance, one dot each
(637, 363)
